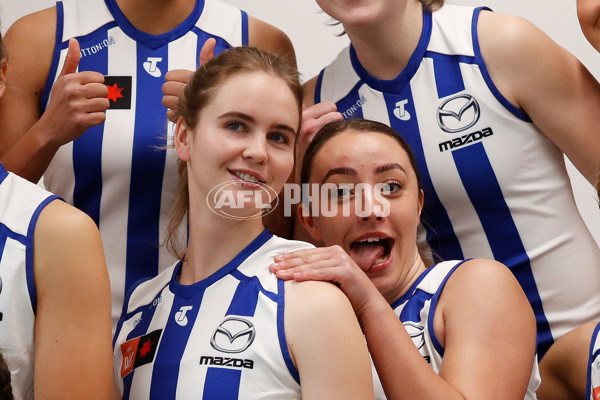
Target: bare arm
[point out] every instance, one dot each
(478, 314)
(537, 75)
(564, 367)
(29, 140)
(326, 343)
(73, 348)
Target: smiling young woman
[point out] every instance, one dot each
(219, 324)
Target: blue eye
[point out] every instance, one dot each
(278, 138)
(235, 126)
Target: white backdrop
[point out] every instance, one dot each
(316, 44)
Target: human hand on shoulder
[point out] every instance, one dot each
(78, 100)
(331, 264)
(176, 79)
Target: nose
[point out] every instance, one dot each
(256, 149)
(372, 207)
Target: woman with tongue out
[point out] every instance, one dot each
(458, 329)
(218, 324)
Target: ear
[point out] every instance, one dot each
(309, 223)
(3, 79)
(421, 201)
(182, 140)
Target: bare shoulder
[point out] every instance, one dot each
(268, 37)
(518, 55)
(60, 220)
(66, 240)
(34, 31)
(309, 91)
(480, 273)
(315, 297)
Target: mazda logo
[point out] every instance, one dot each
(458, 113)
(233, 335)
(416, 333)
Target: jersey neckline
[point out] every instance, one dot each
(397, 84)
(188, 291)
(154, 41)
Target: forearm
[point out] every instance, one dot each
(31, 155)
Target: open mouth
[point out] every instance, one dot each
(370, 252)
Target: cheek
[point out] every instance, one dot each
(333, 229)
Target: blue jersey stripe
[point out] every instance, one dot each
(245, 40)
(517, 112)
(474, 167)
(245, 298)
(591, 356)
(29, 251)
(139, 330)
(281, 331)
(220, 44)
(433, 306)
(87, 149)
(147, 167)
(222, 384)
(448, 78)
(443, 240)
(412, 310)
(165, 373)
(58, 46)
(3, 173)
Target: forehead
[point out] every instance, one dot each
(358, 150)
(256, 92)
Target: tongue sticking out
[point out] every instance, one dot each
(365, 255)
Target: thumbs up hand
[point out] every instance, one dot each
(175, 81)
(78, 100)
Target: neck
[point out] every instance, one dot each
(385, 47)
(411, 272)
(156, 16)
(213, 242)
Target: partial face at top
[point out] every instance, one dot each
(356, 12)
(381, 242)
(588, 13)
(245, 135)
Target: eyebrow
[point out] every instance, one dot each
(248, 118)
(349, 171)
(387, 167)
(338, 171)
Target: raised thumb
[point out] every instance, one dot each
(72, 59)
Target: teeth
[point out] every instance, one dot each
(369, 240)
(382, 259)
(246, 177)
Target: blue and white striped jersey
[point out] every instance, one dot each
(593, 370)
(20, 205)
(119, 172)
(416, 309)
(220, 338)
(495, 186)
